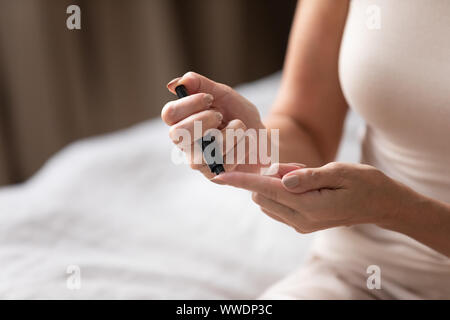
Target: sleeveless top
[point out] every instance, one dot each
(394, 70)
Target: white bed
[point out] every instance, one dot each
(139, 226)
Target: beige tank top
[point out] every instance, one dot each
(395, 72)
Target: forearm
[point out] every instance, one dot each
(295, 143)
(310, 108)
(423, 219)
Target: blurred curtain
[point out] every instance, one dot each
(59, 85)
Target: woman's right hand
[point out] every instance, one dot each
(217, 106)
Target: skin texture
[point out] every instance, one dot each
(306, 191)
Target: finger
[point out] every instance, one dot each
(233, 139)
(268, 186)
(292, 224)
(209, 119)
(230, 159)
(273, 216)
(197, 162)
(196, 83)
(233, 134)
(327, 177)
(177, 110)
(203, 169)
(280, 169)
(294, 218)
(173, 84)
(282, 211)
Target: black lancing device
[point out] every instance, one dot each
(216, 168)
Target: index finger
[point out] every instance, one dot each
(269, 187)
(177, 110)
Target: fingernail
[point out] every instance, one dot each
(219, 116)
(172, 82)
(208, 99)
(290, 181)
(272, 170)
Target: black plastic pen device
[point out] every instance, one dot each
(216, 168)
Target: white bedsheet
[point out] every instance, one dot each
(141, 227)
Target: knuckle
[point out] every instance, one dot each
(168, 112)
(190, 74)
(373, 170)
(310, 173)
(209, 115)
(300, 229)
(377, 176)
(196, 166)
(303, 225)
(272, 194)
(304, 229)
(238, 124)
(225, 88)
(256, 197)
(338, 167)
(333, 165)
(177, 135)
(342, 172)
(173, 134)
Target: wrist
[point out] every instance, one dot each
(404, 208)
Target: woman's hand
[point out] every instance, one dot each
(312, 199)
(216, 106)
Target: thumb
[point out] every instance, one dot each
(196, 83)
(280, 169)
(303, 180)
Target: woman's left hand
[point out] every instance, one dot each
(312, 199)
